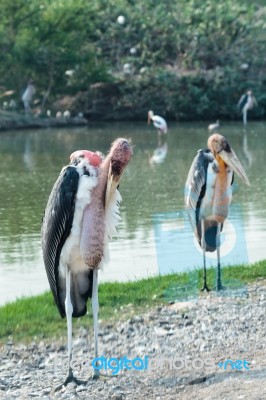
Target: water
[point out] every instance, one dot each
(154, 235)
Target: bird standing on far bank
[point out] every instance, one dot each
(28, 96)
(247, 102)
(81, 216)
(208, 195)
(214, 126)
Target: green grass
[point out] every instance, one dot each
(36, 318)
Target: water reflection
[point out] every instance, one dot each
(31, 162)
(159, 153)
(247, 152)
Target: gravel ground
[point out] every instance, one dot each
(184, 343)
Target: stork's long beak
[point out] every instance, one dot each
(149, 119)
(230, 158)
(112, 184)
(118, 158)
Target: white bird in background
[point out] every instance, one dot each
(208, 195)
(214, 126)
(159, 123)
(66, 114)
(246, 102)
(80, 217)
(58, 115)
(28, 96)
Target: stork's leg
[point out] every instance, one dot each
(69, 312)
(245, 113)
(218, 278)
(95, 311)
(203, 245)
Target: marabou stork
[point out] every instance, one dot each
(80, 217)
(246, 102)
(214, 126)
(158, 122)
(208, 195)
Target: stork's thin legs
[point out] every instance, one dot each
(95, 310)
(245, 113)
(203, 245)
(69, 312)
(218, 278)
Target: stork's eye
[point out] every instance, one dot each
(86, 171)
(77, 160)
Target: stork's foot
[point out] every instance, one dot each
(205, 288)
(219, 286)
(70, 378)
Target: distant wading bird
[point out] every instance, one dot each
(214, 126)
(158, 122)
(209, 193)
(80, 217)
(247, 102)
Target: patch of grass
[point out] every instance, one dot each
(36, 317)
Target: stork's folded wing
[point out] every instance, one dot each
(57, 223)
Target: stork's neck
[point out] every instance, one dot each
(99, 191)
(220, 161)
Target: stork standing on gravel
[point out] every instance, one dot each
(208, 195)
(80, 217)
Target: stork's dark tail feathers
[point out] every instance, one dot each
(81, 290)
(210, 235)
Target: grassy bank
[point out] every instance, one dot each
(36, 318)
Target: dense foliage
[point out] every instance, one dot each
(187, 59)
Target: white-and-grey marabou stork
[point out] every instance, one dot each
(158, 122)
(246, 102)
(214, 126)
(80, 217)
(208, 195)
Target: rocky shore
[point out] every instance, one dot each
(13, 120)
(186, 344)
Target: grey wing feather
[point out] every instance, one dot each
(242, 102)
(196, 186)
(57, 223)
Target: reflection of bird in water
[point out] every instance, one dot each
(214, 126)
(80, 217)
(159, 154)
(158, 122)
(208, 195)
(28, 157)
(246, 151)
(247, 102)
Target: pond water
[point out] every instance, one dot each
(154, 235)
